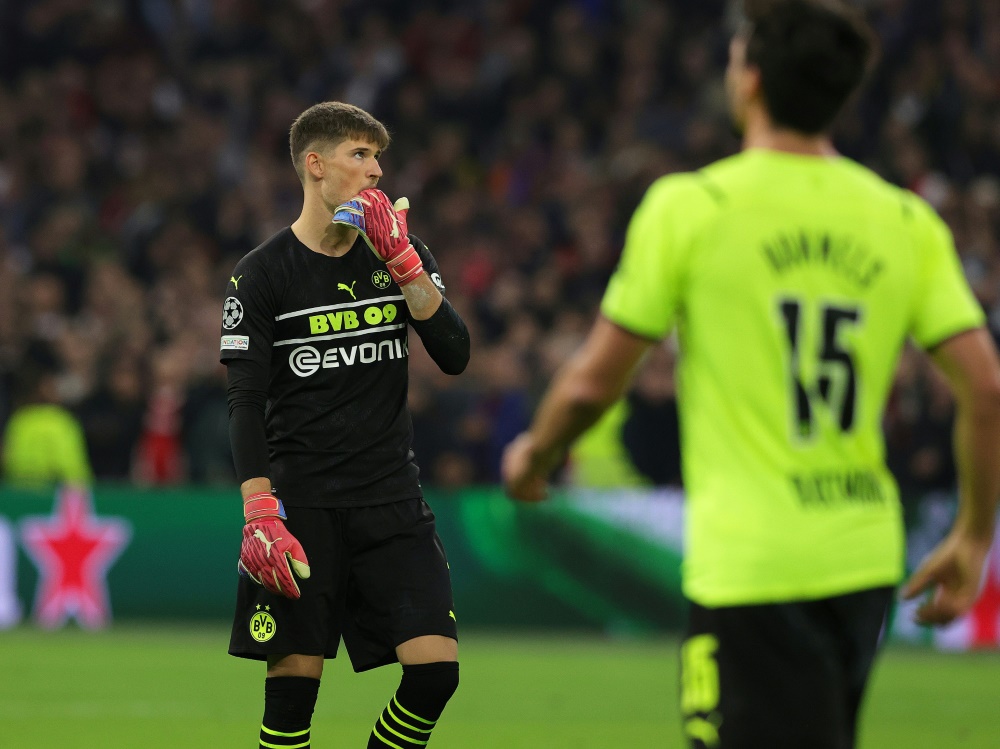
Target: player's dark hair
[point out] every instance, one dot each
(812, 55)
(327, 124)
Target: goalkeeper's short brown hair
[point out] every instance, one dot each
(812, 56)
(327, 124)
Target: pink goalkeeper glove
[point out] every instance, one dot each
(383, 226)
(270, 553)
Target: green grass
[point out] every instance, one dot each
(924, 699)
(157, 686)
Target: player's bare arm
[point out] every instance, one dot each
(422, 297)
(255, 486)
(952, 572)
(587, 385)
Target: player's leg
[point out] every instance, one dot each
(756, 676)
(290, 691)
(430, 678)
(294, 636)
(400, 593)
(427, 649)
(860, 618)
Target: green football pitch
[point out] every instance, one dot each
(153, 687)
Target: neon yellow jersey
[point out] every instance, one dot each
(793, 282)
(599, 458)
(44, 444)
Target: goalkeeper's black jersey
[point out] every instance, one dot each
(332, 333)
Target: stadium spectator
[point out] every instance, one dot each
(651, 433)
(918, 423)
(160, 458)
(112, 420)
(43, 443)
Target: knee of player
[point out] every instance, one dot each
(446, 681)
(437, 681)
(450, 682)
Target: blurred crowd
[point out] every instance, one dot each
(143, 151)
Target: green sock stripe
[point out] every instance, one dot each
(383, 739)
(404, 723)
(393, 731)
(284, 746)
(265, 729)
(415, 717)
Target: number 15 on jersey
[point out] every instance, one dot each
(834, 364)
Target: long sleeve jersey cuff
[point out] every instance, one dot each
(445, 338)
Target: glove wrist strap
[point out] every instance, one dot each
(263, 505)
(406, 266)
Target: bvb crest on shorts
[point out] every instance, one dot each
(262, 625)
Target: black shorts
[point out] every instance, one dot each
(782, 675)
(378, 577)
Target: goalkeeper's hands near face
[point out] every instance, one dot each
(270, 555)
(382, 224)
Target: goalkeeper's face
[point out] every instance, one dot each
(348, 168)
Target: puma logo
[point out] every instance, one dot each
(348, 289)
(395, 225)
(236, 281)
(260, 534)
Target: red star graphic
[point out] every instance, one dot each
(73, 550)
(985, 614)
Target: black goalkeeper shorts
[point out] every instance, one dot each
(378, 577)
(780, 676)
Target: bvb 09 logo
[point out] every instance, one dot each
(381, 279)
(262, 626)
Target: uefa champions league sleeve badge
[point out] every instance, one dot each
(232, 313)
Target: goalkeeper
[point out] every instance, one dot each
(794, 277)
(338, 541)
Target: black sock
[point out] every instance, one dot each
(410, 716)
(288, 709)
